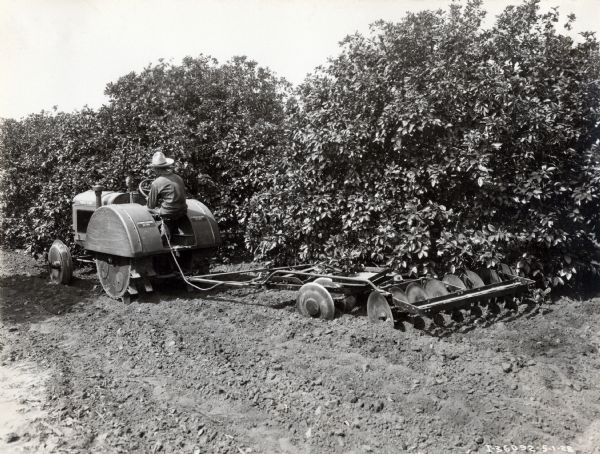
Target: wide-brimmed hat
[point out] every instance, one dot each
(159, 160)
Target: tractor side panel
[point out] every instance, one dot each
(204, 225)
(126, 230)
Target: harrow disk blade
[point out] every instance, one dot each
(315, 301)
(475, 311)
(473, 279)
(510, 303)
(504, 268)
(493, 308)
(455, 281)
(378, 309)
(418, 322)
(494, 277)
(457, 316)
(398, 294)
(490, 276)
(415, 293)
(435, 288)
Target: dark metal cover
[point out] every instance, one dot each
(129, 230)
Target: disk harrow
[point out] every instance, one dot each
(123, 240)
(386, 294)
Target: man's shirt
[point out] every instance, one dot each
(168, 191)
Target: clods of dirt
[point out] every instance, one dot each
(242, 371)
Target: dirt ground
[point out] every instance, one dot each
(242, 372)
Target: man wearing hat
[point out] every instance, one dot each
(167, 194)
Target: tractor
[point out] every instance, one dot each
(118, 233)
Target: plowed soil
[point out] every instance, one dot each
(241, 372)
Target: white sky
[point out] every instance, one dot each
(63, 52)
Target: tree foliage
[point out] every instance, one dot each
(434, 143)
(427, 145)
(221, 123)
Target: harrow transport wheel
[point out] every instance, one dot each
(415, 293)
(346, 302)
(114, 272)
(315, 301)
(473, 279)
(435, 288)
(455, 281)
(325, 282)
(60, 263)
(378, 309)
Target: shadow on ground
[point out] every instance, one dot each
(33, 298)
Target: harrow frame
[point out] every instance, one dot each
(357, 289)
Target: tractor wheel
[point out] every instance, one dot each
(114, 273)
(60, 263)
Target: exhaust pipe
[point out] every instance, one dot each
(130, 187)
(98, 191)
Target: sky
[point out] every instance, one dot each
(63, 52)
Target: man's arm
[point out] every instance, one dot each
(152, 201)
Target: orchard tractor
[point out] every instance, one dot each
(119, 234)
(122, 238)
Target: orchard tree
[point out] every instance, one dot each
(223, 124)
(434, 143)
(47, 158)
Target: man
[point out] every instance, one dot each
(167, 194)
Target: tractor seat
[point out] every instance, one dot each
(182, 239)
(182, 235)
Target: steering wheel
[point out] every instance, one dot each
(144, 187)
